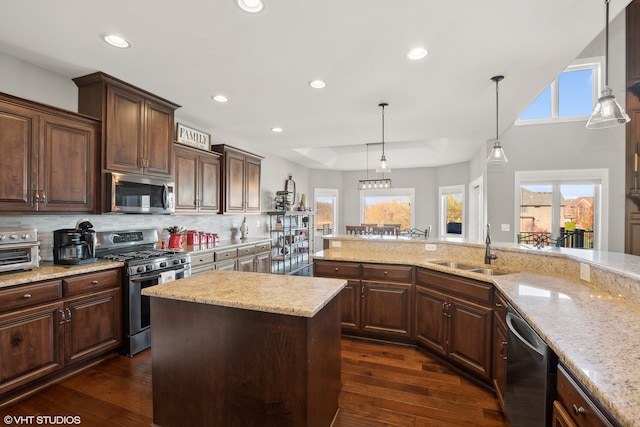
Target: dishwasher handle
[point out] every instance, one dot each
(525, 334)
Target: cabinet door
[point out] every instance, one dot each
(18, 171)
(124, 131)
(470, 335)
(350, 297)
(246, 264)
(499, 357)
(186, 180)
(235, 187)
(209, 183)
(252, 186)
(93, 324)
(431, 319)
(68, 165)
(228, 265)
(158, 139)
(386, 308)
(263, 262)
(30, 344)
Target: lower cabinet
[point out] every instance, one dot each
(377, 301)
(453, 318)
(52, 325)
(249, 258)
(574, 407)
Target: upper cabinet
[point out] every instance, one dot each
(49, 158)
(137, 126)
(197, 180)
(240, 180)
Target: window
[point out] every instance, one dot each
(452, 211)
(570, 97)
(563, 208)
(326, 207)
(392, 206)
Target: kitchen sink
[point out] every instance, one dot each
(454, 264)
(488, 271)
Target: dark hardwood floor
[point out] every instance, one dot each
(382, 385)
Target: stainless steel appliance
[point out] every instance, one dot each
(128, 193)
(144, 266)
(75, 245)
(19, 249)
(531, 375)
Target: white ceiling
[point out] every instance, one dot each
(441, 109)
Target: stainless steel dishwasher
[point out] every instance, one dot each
(531, 375)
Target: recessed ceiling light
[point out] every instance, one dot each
(317, 84)
(276, 129)
(116, 41)
(251, 6)
(417, 53)
(220, 98)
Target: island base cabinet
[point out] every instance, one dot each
(386, 308)
(243, 367)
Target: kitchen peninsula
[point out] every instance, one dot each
(242, 349)
(584, 304)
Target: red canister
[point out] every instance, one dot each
(204, 238)
(192, 237)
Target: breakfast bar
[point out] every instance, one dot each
(242, 349)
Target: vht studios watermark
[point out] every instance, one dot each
(61, 420)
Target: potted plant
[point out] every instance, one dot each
(175, 240)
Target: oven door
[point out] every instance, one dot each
(137, 313)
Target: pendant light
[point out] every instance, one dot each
(383, 167)
(607, 112)
(497, 154)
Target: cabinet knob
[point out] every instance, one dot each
(26, 296)
(94, 282)
(498, 305)
(385, 272)
(336, 269)
(578, 410)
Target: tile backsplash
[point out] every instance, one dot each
(223, 225)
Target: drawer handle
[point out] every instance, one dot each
(385, 272)
(503, 352)
(498, 305)
(578, 410)
(336, 269)
(94, 282)
(62, 318)
(26, 296)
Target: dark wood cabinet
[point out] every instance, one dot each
(50, 158)
(48, 326)
(137, 126)
(632, 138)
(197, 179)
(454, 319)
(240, 180)
(377, 301)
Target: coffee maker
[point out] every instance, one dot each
(75, 245)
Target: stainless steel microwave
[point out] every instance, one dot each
(129, 193)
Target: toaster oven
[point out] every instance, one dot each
(19, 249)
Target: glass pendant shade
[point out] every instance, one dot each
(383, 167)
(497, 154)
(607, 112)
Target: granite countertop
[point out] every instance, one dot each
(271, 293)
(49, 271)
(594, 332)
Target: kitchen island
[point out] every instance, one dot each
(245, 349)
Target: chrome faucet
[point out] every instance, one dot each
(488, 256)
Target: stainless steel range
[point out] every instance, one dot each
(145, 266)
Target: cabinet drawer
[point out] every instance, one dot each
(226, 254)
(246, 250)
(580, 408)
(263, 247)
(90, 282)
(393, 273)
(500, 307)
(201, 259)
(345, 270)
(23, 296)
(478, 291)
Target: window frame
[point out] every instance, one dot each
(443, 192)
(596, 64)
(568, 176)
(390, 192)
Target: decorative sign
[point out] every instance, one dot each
(193, 138)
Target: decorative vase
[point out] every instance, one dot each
(175, 241)
(244, 229)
